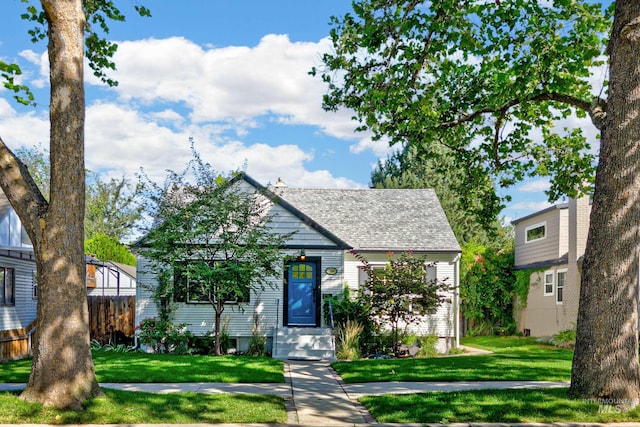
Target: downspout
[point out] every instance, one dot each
(275, 334)
(456, 298)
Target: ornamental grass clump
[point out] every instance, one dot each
(349, 340)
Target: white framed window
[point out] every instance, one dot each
(191, 287)
(535, 232)
(7, 286)
(548, 283)
(432, 272)
(561, 278)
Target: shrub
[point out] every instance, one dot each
(203, 344)
(346, 308)
(427, 346)
(565, 339)
(487, 289)
(164, 337)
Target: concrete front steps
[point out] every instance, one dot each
(304, 343)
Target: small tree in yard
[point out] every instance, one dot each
(214, 237)
(401, 291)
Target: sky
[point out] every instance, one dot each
(232, 76)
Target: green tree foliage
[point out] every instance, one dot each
(401, 293)
(487, 289)
(36, 159)
(492, 81)
(462, 201)
(214, 235)
(106, 248)
(112, 208)
(99, 50)
(473, 80)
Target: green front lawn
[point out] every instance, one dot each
(120, 407)
(492, 406)
(112, 367)
(514, 358)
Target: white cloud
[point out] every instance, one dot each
(122, 139)
(172, 89)
(534, 186)
(522, 208)
(234, 84)
(23, 130)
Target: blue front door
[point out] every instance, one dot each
(301, 287)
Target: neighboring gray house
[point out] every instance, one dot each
(18, 290)
(550, 243)
(317, 262)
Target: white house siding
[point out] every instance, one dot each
(24, 311)
(266, 304)
(553, 246)
(444, 322)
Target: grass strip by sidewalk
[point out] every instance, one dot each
(492, 406)
(137, 367)
(121, 407)
(514, 358)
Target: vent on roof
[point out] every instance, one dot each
(279, 186)
(280, 183)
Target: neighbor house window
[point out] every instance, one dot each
(535, 232)
(560, 281)
(191, 286)
(34, 285)
(548, 283)
(7, 286)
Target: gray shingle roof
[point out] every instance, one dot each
(378, 219)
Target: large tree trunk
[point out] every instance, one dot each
(605, 363)
(62, 372)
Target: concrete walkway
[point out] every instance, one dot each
(316, 396)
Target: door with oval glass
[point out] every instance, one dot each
(302, 294)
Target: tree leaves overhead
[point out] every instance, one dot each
(99, 50)
(485, 80)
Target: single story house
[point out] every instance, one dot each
(549, 244)
(318, 262)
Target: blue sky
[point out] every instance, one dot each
(230, 74)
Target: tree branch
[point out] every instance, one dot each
(21, 191)
(596, 108)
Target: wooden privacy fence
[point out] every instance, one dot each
(112, 318)
(111, 321)
(16, 344)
